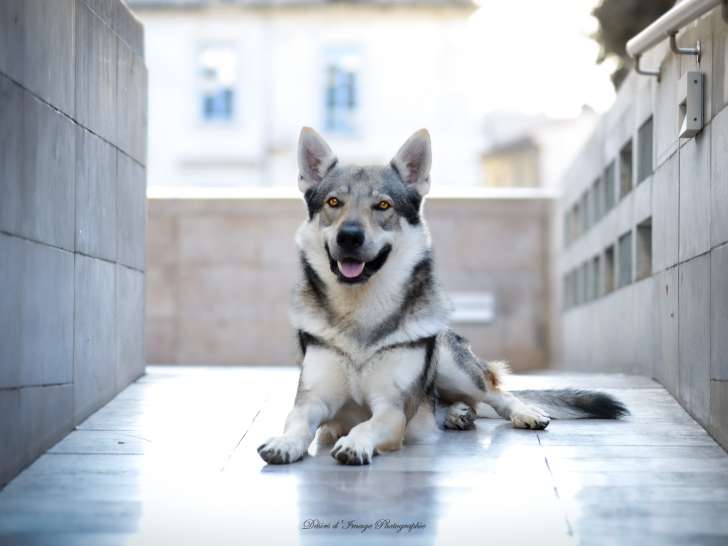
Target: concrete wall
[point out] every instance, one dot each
(72, 216)
(670, 318)
(221, 272)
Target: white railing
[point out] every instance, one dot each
(667, 26)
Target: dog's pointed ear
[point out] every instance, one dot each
(413, 161)
(315, 159)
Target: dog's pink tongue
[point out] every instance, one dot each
(351, 269)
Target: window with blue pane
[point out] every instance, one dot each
(217, 78)
(341, 93)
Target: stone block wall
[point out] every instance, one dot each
(72, 216)
(221, 272)
(642, 236)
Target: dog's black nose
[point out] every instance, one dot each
(350, 236)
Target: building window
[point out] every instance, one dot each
(584, 284)
(625, 169)
(569, 296)
(589, 207)
(644, 154)
(643, 250)
(578, 284)
(585, 211)
(576, 230)
(609, 269)
(217, 65)
(596, 280)
(624, 263)
(609, 183)
(598, 196)
(341, 93)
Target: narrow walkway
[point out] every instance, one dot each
(172, 460)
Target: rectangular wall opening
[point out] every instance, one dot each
(572, 288)
(565, 301)
(624, 262)
(584, 283)
(625, 169)
(596, 289)
(598, 198)
(567, 228)
(643, 251)
(608, 187)
(609, 269)
(577, 285)
(589, 280)
(644, 150)
(585, 211)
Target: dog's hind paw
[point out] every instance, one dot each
(350, 451)
(460, 416)
(329, 432)
(530, 417)
(281, 450)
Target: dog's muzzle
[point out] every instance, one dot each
(351, 270)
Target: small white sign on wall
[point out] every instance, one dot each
(478, 307)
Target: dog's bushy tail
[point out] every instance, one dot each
(575, 403)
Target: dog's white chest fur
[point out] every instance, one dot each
(386, 374)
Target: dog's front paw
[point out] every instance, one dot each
(282, 450)
(348, 450)
(530, 417)
(460, 416)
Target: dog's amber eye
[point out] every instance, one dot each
(332, 202)
(383, 205)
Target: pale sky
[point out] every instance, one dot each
(537, 57)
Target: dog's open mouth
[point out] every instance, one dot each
(351, 270)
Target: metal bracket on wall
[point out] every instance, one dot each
(680, 15)
(677, 50)
(690, 104)
(645, 72)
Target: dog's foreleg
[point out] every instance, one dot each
(301, 425)
(391, 382)
(321, 392)
(383, 432)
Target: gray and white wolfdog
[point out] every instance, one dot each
(380, 363)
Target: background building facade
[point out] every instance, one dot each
(232, 83)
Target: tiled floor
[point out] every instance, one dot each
(172, 461)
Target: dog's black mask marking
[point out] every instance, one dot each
(370, 268)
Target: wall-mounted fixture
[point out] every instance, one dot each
(690, 104)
